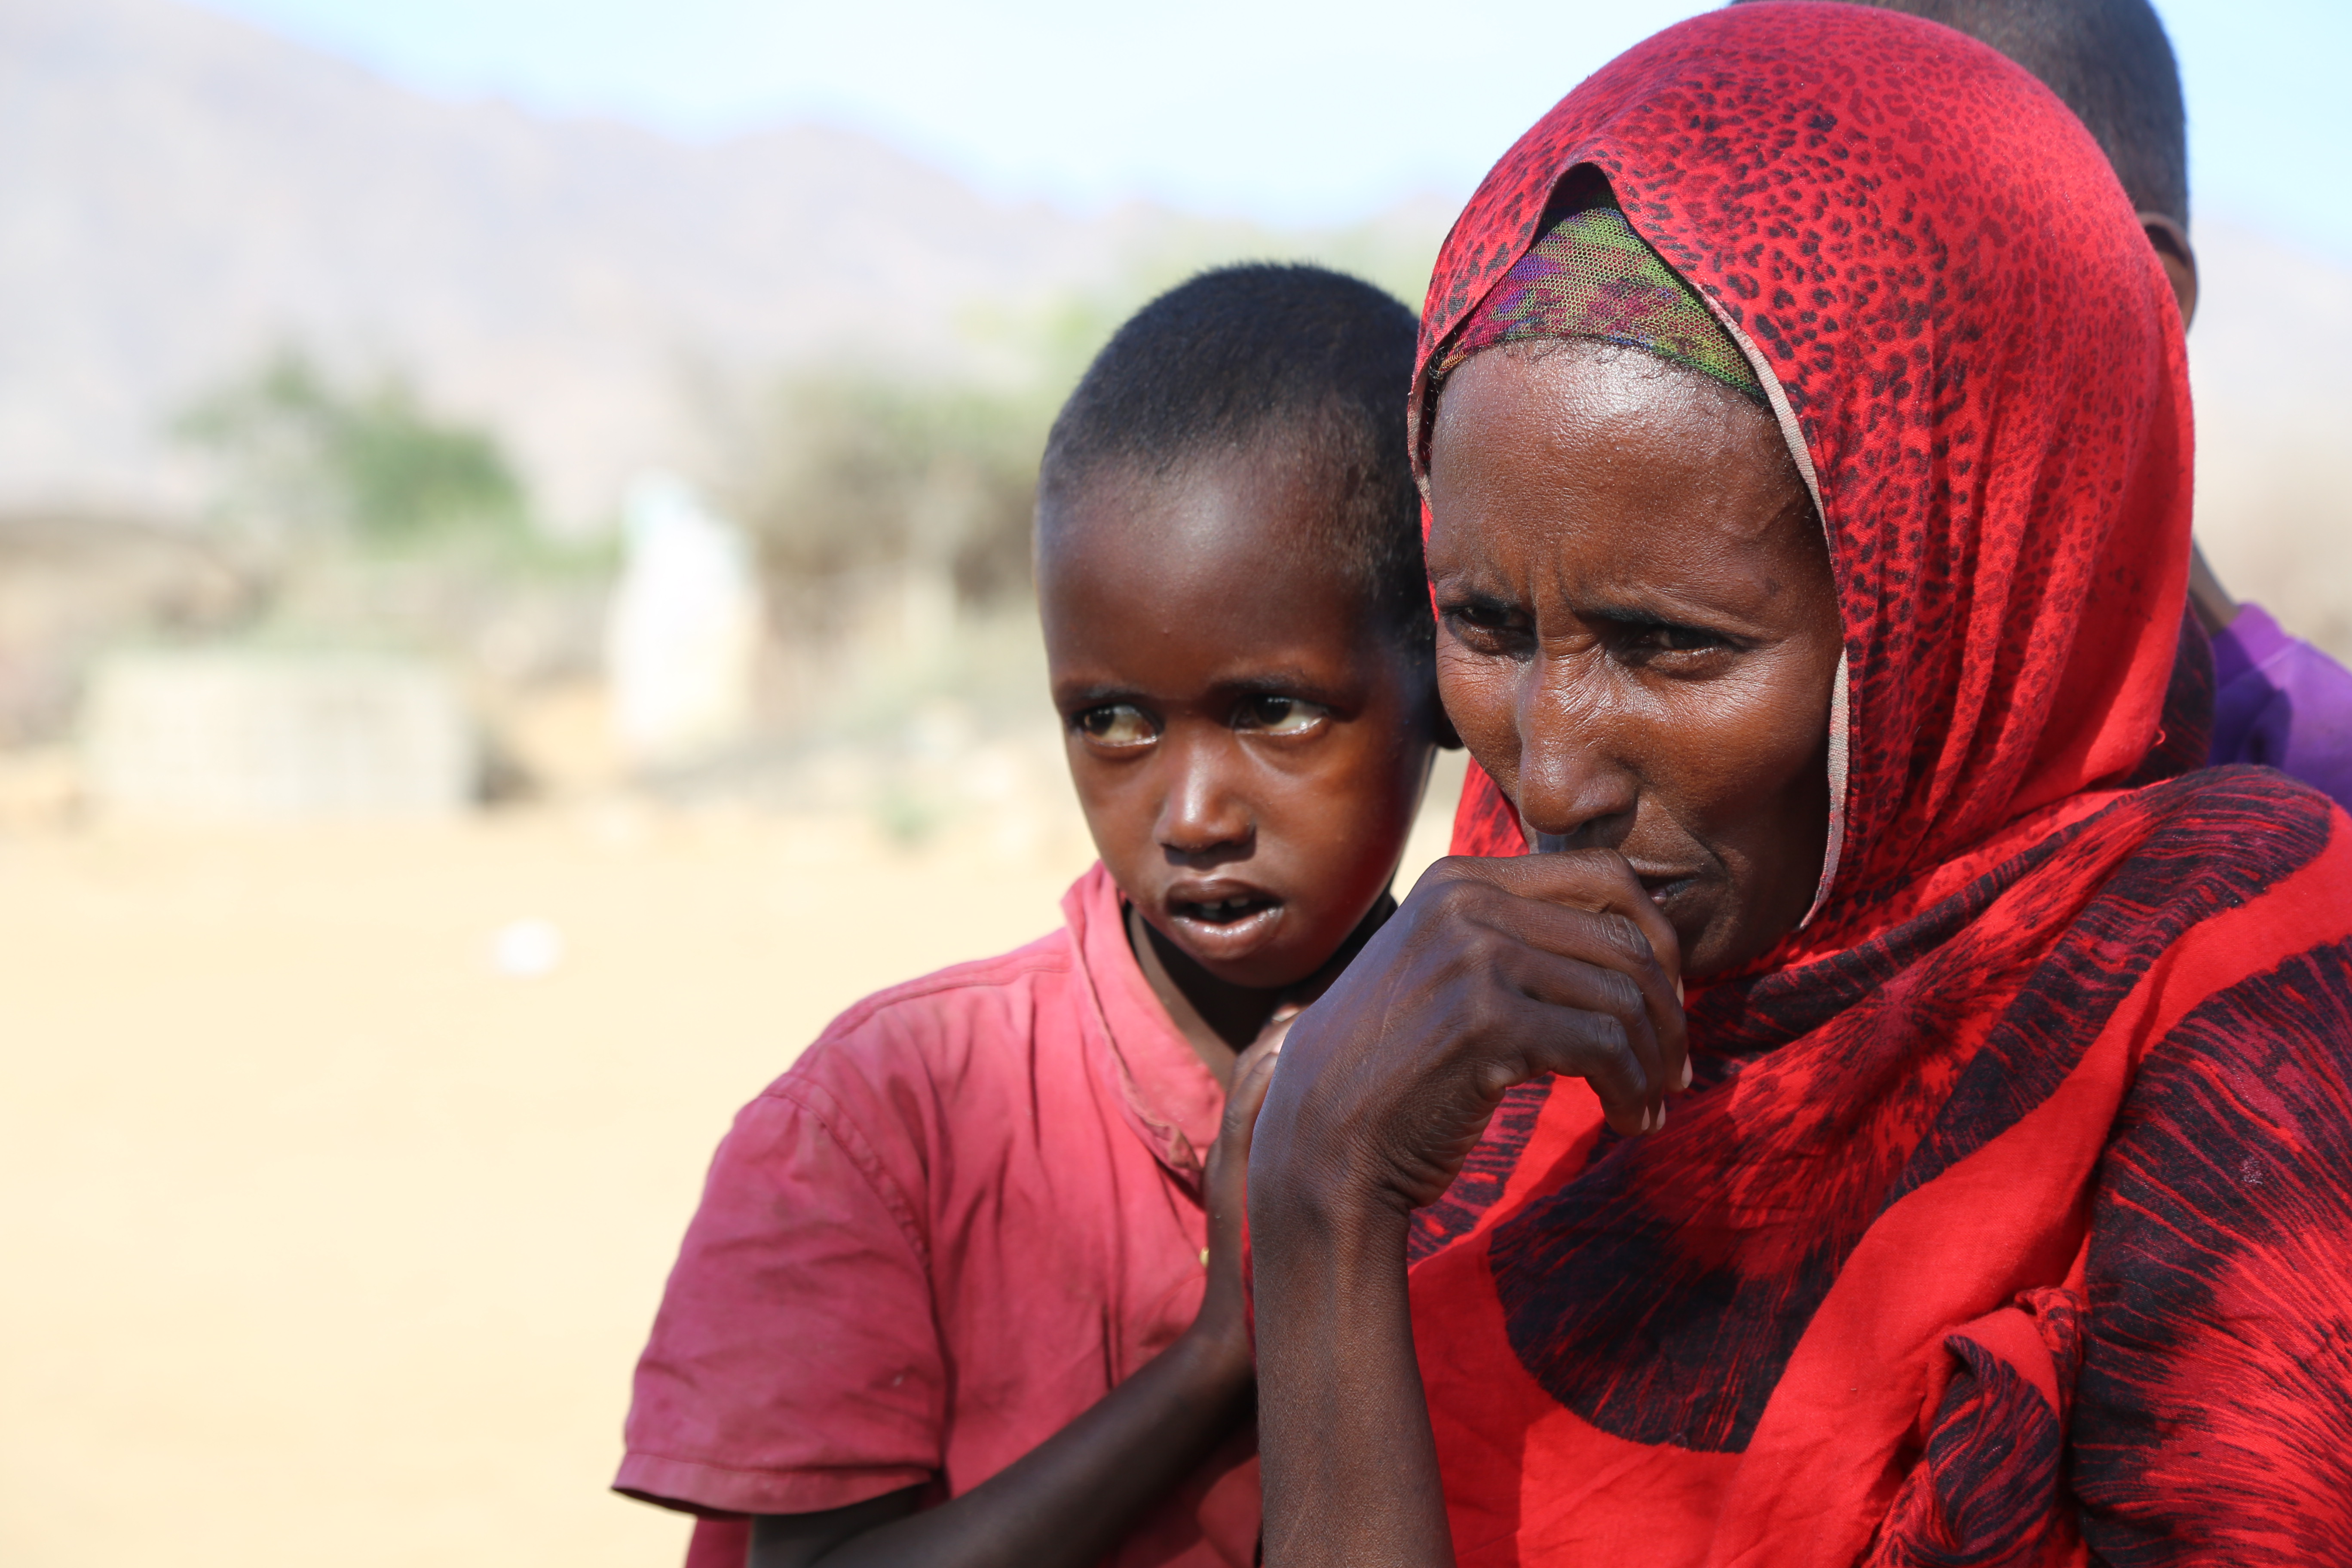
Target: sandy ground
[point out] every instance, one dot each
(326, 1238)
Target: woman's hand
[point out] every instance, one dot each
(1492, 973)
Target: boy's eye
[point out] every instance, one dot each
(1281, 715)
(1117, 724)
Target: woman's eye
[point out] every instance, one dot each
(1117, 724)
(1485, 627)
(1281, 715)
(1664, 637)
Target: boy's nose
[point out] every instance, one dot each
(1200, 811)
(1575, 787)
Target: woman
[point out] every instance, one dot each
(1966, 1177)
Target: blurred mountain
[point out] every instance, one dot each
(180, 191)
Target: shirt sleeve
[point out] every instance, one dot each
(2282, 704)
(795, 1363)
(2213, 1409)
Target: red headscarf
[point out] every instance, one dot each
(2011, 1220)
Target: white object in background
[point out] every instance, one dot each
(246, 734)
(683, 633)
(528, 948)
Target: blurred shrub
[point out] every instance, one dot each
(846, 479)
(310, 455)
(852, 481)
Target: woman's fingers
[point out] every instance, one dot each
(1602, 963)
(1588, 906)
(1593, 1023)
(1492, 973)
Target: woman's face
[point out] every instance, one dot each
(1638, 630)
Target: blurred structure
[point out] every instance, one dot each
(251, 735)
(72, 586)
(683, 642)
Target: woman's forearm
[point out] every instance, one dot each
(1349, 1464)
(1492, 973)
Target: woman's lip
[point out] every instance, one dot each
(1663, 885)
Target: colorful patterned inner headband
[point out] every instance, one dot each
(1591, 275)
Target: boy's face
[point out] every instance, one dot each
(1248, 744)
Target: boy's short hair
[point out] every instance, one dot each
(2110, 62)
(1241, 354)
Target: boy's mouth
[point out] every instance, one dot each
(1224, 911)
(1226, 925)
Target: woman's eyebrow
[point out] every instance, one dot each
(1634, 616)
(1665, 609)
(1458, 598)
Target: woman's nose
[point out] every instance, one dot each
(1576, 785)
(1201, 810)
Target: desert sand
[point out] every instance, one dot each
(328, 1238)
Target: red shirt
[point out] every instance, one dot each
(968, 1210)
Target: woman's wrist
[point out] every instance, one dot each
(1296, 1211)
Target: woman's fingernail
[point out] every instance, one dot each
(1678, 990)
(1689, 1072)
(1662, 1117)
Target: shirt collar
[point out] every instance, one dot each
(1165, 1090)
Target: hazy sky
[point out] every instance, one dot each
(1291, 110)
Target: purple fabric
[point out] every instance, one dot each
(2280, 702)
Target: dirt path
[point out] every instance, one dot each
(327, 1239)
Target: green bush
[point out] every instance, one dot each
(307, 454)
(851, 477)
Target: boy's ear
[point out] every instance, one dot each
(2172, 249)
(1447, 741)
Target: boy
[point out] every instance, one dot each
(2277, 700)
(960, 1289)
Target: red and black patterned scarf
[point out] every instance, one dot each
(2011, 1221)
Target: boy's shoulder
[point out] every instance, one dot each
(979, 994)
(1011, 1019)
(1034, 1048)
